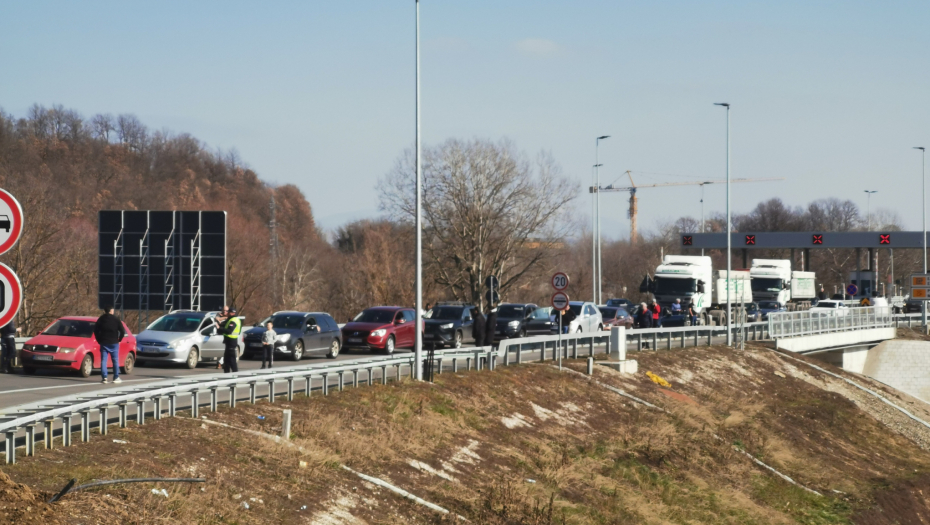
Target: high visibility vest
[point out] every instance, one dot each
(237, 328)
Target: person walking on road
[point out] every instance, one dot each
(8, 340)
(231, 328)
(268, 339)
(490, 327)
(109, 331)
(478, 326)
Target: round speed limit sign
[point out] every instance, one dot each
(560, 281)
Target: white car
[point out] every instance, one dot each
(830, 307)
(587, 318)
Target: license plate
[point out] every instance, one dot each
(355, 340)
(42, 358)
(429, 336)
(149, 349)
(255, 345)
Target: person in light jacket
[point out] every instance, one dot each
(268, 339)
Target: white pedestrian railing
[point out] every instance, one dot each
(815, 322)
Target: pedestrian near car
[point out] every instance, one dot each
(8, 340)
(490, 327)
(109, 331)
(692, 314)
(567, 317)
(231, 328)
(656, 311)
(645, 316)
(676, 307)
(268, 339)
(478, 326)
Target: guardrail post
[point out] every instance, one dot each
(397, 368)
(309, 385)
(173, 402)
(66, 430)
(355, 378)
(384, 375)
(710, 337)
(591, 347)
(11, 446)
(140, 411)
(270, 390)
(85, 426)
(213, 399)
(519, 353)
(103, 420)
(439, 368)
(455, 365)
(290, 388)
(590, 366)
(326, 384)
(195, 404)
(575, 348)
(490, 360)
(655, 341)
(342, 379)
(49, 434)
(122, 414)
(286, 424)
(252, 392)
(157, 401)
(31, 439)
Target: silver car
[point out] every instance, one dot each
(587, 318)
(182, 337)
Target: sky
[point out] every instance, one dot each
(831, 96)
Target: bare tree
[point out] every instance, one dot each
(487, 211)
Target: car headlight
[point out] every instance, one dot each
(513, 324)
(380, 332)
(67, 350)
(283, 338)
(447, 326)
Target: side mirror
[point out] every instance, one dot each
(400, 321)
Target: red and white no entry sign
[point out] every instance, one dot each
(11, 294)
(560, 301)
(11, 221)
(560, 281)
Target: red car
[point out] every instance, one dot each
(616, 316)
(381, 328)
(69, 344)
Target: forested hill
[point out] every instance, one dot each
(64, 168)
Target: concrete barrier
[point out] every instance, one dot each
(901, 364)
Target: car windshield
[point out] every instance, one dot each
(176, 323)
(445, 312)
(511, 311)
(752, 307)
(375, 316)
(542, 313)
(608, 313)
(773, 305)
(71, 328)
(285, 321)
(766, 284)
(672, 286)
(617, 302)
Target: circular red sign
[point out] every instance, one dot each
(16, 221)
(560, 301)
(559, 281)
(12, 289)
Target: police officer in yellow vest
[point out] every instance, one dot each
(230, 326)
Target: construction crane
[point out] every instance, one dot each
(633, 199)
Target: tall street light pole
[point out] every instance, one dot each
(418, 344)
(597, 189)
(923, 193)
(594, 189)
(729, 258)
(702, 208)
(869, 207)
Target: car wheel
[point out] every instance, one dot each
(129, 364)
(522, 333)
(600, 327)
(333, 349)
(87, 366)
(457, 342)
(389, 346)
(193, 357)
(28, 370)
(298, 353)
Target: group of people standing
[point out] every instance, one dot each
(650, 315)
(482, 328)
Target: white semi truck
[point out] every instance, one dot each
(773, 280)
(689, 278)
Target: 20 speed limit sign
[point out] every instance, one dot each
(560, 281)
(560, 301)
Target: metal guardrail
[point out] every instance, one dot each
(150, 399)
(814, 322)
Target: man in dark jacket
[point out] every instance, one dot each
(490, 327)
(109, 331)
(645, 317)
(8, 340)
(567, 317)
(478, 326)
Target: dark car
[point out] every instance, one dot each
(625, 303)
(298, 334)
(616, 316)
(769, 307)
(540, 321)
(512, 320)
(753, 313)
(382, 328)
(448, 325)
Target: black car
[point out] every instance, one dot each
(770, 307)
(298, 334)
(513, 320)
(448, 324)
(625, 303)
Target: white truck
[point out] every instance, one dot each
(773, 280)
(690, 277)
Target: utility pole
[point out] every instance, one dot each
(923, 193)
(869, 207)
(597, 185)
(729, 236)
(418, 343)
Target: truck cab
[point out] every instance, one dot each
(773, 280)
(685, 277)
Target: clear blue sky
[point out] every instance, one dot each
(829, 95)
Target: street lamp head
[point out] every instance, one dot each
(921, 148)
(870, 191)
(603, 137)
(724, 104)
(597, 166)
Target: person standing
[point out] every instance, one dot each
(268, 339)
(221, 318)
(109, 331)
(478, 326)
(231, 328)
(676, 307)
(567, 317)
(656, 310)
(645, 316)
(692, 314)
(8, 340)
(490, 327)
